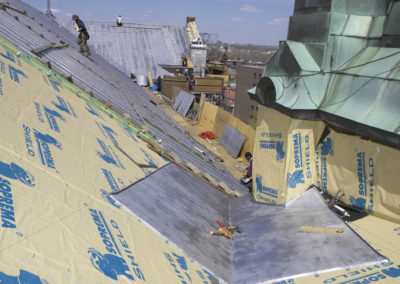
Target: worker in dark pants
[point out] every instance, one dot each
(83, 35)
(248, 178)
(119, 21)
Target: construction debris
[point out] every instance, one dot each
(207, 135)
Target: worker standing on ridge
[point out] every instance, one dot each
(248, 178)
(119, 21)
(83, 35)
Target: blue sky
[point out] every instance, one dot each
(253, 21)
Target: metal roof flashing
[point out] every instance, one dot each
(268, 233)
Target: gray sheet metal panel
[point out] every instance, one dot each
(48, 22)
(183, 209)
(186, 104)
(53, 38)
(232, 140)
(10, 28)
(178, 100)
(135, 48)
(270, 246)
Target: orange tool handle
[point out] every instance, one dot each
(219, 223)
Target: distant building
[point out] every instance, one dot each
(247, 78)
(229, 97)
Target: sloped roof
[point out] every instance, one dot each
(136, 48)
(343, 70)
(108, 84)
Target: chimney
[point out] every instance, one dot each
(48, 10)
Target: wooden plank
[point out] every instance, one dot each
(210, 179)
(150, 79)
(208, 89)
(193, 168)
(321, 230)
(40, 49)
(209, 82)
(175, 158)
(228, 190)
(175, 78)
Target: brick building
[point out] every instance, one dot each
(247, 77)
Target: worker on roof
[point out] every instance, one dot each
(83, 35)
(184, 61)
(119, 21)
(248, 178)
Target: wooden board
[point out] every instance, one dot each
(321, 230)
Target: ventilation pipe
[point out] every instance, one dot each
(48, 10)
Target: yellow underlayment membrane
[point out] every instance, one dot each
(288, 160)
(58, 162)
(284, 156)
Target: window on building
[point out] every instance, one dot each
(255, 74)
(252, 107)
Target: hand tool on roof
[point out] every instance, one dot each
(333, 204)
(227, 231)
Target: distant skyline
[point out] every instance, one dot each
(261, 22)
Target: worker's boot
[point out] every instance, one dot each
(87, 50)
